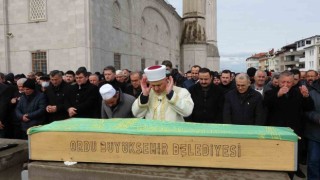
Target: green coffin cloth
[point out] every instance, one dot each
(164, 128)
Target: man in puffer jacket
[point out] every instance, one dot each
(31, 108)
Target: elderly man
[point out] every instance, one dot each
(94, 79)
(16, 123)
(259, 81)
(31, 108)
(120, 76)
(161, 100)
(286, 107)
(243, 105)
(115, 104)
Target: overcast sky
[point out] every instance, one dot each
(246, 27)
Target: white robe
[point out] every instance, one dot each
(160, 108)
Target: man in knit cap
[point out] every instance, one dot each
(31, 108)
(115, 104)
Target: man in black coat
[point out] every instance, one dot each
(56, 94)
(82, 99)
(226, 84)
(243, 105)
(3, 104)
(134, 89)
(109, 73)
(312, 132)
(207, 98)
(286, 107)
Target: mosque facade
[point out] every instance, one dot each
(44, 35)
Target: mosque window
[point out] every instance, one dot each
(143, 63)
(37, 10)
(116, 15)
(117, 61)
(143, 24)
(39, 61)
(156, 34)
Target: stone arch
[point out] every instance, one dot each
(116, 14)
(129, 3)
(155, 36)
(163, 33)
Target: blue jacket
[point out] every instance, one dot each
(312, 130)
(188, 83)
(35, 106)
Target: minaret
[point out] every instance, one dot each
(199, 47)
(213, 57)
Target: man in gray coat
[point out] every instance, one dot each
(115, 104)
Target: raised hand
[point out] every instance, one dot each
(304, 91)
(282, 91)
(169, 85)
(144, 86)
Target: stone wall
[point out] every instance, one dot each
(62, 35)
(148, 30)
(82, 33)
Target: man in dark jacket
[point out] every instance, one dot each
(226, 81)
(31, 108)
(115, 104)
(207, 98)
(286, 107)
(194, 77)
(109, 73)
(82, 99)
(312, 132)
(134, 89)
(243, 105)
(16, 123)
(56, 94)
(3, 104)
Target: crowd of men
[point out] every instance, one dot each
(286, 99)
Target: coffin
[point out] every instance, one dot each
(150, 142)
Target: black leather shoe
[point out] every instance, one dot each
(300, 174)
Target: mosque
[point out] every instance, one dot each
(44, 35)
